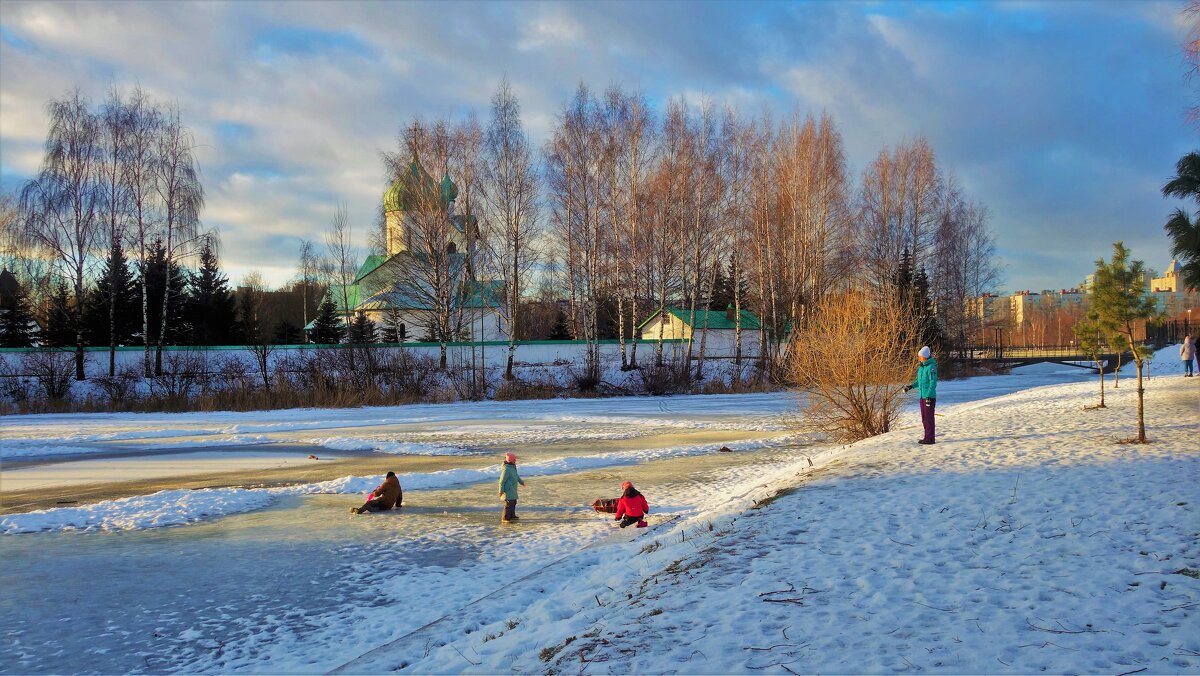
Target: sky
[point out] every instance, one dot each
(1063, 118)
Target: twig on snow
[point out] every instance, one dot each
(906, 544)
(1193, 604)
(1135, 671)
(460, 654)
(944, 610)
(792, 588)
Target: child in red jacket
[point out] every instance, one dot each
(632, 507)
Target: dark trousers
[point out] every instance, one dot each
(927, 417)
(1187, 367)
(630, 520)
(373, 505)
(510, 510)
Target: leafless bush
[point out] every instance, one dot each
(852, 356)
(14, 389)
(233, 374)
(121, 387)
(516, 388)
(665, 379)
(183, 373)
(52, 370)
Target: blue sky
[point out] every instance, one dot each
(1064, 118)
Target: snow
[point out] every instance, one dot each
(1026, 540)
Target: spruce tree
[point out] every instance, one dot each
(60, 320)
(327, 327)
(159, 273)
(113, 308)
(362, 330)
(210, 305)
(16, 320)
(722, 292)
(287, 333)
(393, 330)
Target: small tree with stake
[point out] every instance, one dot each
(1120, 302)
(1091, 341)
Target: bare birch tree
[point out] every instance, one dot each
(181, 196)
(512, 216)
(60, 205)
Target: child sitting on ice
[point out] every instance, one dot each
(632, 507)
(386, 496)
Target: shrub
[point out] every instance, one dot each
(852, 354)
(52, 370)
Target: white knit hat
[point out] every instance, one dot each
(924, 352)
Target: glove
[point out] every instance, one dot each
(907, 388)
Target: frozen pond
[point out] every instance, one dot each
(302, 586)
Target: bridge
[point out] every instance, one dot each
(1067, 355)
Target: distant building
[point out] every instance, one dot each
(1170, 281)
(391, 290)
(680, 324)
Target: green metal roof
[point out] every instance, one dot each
(397, 197)
(369, 266)
(352, 296)
(713, 319)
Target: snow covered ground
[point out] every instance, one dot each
(894, 556)
(1027, 540)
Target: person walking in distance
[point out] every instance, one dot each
(509, 480)
(1187, 352)
(926, 384)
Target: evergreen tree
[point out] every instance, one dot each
(113, 309)
(362, 330)
(17, 326)
(722, 292)
(560, 330)
(1121, 303)
(60, 320)
(159, 273)
(394, 330)
(327, 327)
(210, 305)
(912, 292)
(287, 333)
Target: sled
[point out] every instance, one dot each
(606, 505)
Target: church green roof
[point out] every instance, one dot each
(397, 197)
(368, 266)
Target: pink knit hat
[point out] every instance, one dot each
(627, 484)
(510, 457)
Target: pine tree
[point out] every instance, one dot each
(210, 305)
(159, 273)
(16, 320)
(327, 326)
(362, 330)
(60, 320)
(113, 308)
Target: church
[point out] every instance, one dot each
(397, 290)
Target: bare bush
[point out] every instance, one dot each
(14, 389)
(52, 370)
(852, 356)
(183, 373)
(665, 379)
(120, 387)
